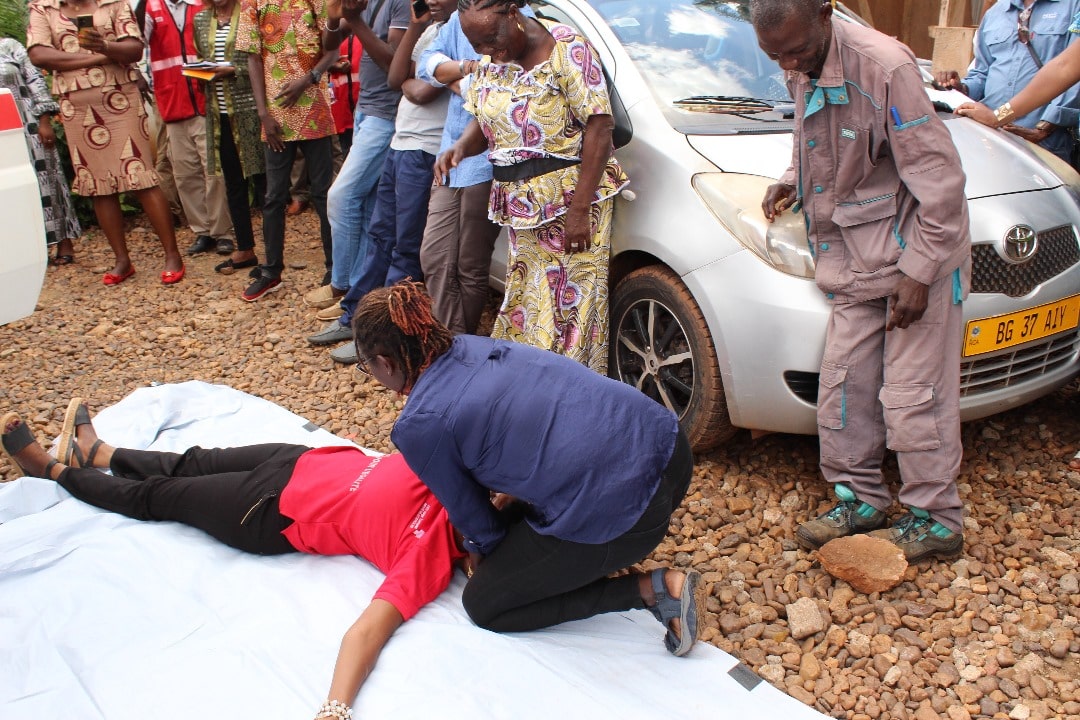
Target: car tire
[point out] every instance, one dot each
(683, 372)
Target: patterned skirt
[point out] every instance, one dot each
(109, 141)
(556, 301)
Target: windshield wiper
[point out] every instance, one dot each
(725, 101)
(734, 104)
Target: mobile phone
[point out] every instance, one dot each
(84, 22)
(420, 8)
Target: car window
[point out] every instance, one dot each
(688, 48)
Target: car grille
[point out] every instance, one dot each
(1001, 370)
(990, 273)
(983, 374)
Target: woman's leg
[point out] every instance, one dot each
(532, 581)
(111, 220)
(236, 193)
(238, 508)
(157, 209)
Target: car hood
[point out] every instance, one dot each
(995, 162)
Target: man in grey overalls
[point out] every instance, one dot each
(881, 185)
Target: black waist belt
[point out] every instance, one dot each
(530, 168)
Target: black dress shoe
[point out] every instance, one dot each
(225, 246)
(203, 243)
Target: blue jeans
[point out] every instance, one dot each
(352, 197)
(397, 226)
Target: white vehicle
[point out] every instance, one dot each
(714, 312)
(24, 256)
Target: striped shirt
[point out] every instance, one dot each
(219, 56)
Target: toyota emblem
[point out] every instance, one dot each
(1021, 242)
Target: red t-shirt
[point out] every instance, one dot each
(344, 502)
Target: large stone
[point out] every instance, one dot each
(804, 618)
(868, 564)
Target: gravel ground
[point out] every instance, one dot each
(991, 635)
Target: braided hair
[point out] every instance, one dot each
(485, 4)
(396, 322)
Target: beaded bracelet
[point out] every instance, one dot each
(335, 709)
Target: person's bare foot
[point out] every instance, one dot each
(33, 458)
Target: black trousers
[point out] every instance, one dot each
(319, 156)
(231, 494)
(236, 186)
(532, 581)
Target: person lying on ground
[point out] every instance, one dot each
(597, 467)
(273, 499)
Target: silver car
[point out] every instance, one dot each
(714, 312)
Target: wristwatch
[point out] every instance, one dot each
(1004, 114)
(315, 76)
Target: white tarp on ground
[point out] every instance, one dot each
(105, 617)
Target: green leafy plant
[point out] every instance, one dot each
(13, 19)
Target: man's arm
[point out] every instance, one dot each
(929, 167)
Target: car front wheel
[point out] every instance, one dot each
(661, 345)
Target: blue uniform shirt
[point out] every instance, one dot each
(584, 451)
(1003, 65)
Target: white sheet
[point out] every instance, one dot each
(105, 617)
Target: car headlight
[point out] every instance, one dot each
(1065, 172)
(735, 200)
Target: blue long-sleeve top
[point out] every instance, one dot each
(585, 452)
(1003, 65)
(451, 44)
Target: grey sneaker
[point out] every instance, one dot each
(345, 354)
(920, 536)
(848, 517)
(333, 333)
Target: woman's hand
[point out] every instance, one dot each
(272, 128)
(46, 131)
(293, 91)
(577, 230)
(222, 72)
(978, 112)
(470, 563)
(92, 40)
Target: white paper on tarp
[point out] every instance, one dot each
(102, 617)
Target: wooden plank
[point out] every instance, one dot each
(952, 48)
(954, 13)
(864, 11)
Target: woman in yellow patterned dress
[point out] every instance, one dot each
(543, 111)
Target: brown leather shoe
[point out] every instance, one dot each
(296, 207)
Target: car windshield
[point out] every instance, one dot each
(695, 49)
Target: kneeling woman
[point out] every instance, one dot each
(595, 469)
(273, 499)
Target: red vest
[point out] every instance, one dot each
(178, 97)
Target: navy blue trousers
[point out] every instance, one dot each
(397, 225)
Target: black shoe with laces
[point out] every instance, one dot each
(260, 287)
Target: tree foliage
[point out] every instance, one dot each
(13, 19)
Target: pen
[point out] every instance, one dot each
(895, 116)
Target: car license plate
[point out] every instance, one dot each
(1003, 331)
